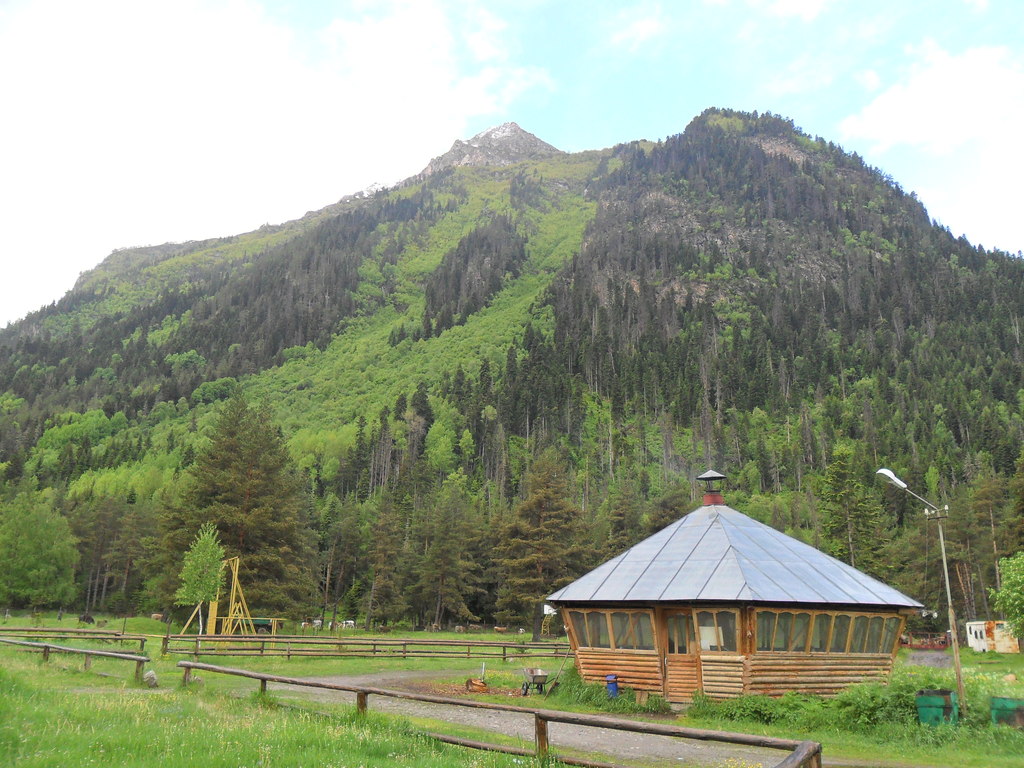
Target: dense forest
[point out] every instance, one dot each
(440, 402)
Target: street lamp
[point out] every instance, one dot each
(933, 512)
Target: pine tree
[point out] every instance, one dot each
(385, 599)
(539, 547)
(851, 519)
(243, 483)
(446, 575)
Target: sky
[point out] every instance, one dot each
(127, 123)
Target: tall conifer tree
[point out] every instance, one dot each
(539, 548)
(243, 483)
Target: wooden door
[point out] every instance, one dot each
(681, 662)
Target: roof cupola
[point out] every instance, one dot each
(712, 487)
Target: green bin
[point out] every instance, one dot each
(937, 707)
(1008, 711)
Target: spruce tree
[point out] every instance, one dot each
(384, 599)
(851, 518)
(539, 547)
(446, 575)
(244, 484)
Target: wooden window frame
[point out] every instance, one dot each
(607, 613)
(853, 616)
(714, 611)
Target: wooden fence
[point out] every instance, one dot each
(47, 648)
(102, 635)
(803, 754)
(356, 647)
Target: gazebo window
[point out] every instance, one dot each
(859, 636)
(597, 630)
(633, 631)
(786, 631)
(889, 634)
(840, 633)
(624, 630)
(819, 635)
(875, 625)
(765, 630)
(717, 630)
(680, 633)
(801, 625)
(783, 631)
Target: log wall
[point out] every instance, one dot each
(774, 674)
(723, 676)
(682, 678)
(635, 669)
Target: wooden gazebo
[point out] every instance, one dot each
(720, 603)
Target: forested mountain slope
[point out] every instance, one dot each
(607, 323)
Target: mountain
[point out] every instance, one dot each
(740, 296)
(504, 144)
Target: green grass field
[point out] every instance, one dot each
(59, 714)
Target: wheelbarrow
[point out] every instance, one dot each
(534, 677)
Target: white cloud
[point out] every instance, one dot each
(805, 74)
(130, 123)
(868, 79)
(945, 101)
(948, 107)
(638, 27)
(805, 10)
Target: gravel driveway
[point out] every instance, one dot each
(613, 746)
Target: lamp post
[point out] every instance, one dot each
(933, 512)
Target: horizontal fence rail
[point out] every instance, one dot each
(47, 648)
(356, 647)
(107, 635)
(803, 754)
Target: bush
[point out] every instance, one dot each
(573, 689)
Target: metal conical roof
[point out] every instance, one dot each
(716, 554)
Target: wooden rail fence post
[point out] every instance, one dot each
(541, 728)
(361, 697)
(88, 662)
(46, 653)
(163, 645)
(188, 676)
(263, 686)
(139, 665)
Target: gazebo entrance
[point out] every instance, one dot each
(681, 663)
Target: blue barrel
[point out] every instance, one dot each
(612, 683)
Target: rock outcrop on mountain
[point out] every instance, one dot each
(504, 144)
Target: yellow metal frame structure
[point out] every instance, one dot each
(238, 620)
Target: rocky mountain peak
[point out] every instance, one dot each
(503, 144)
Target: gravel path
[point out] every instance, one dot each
(614, 746)
(929, 659)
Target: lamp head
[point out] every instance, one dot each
(891, 478)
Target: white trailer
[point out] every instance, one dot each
(991, 636)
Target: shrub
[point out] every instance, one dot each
(572, 688)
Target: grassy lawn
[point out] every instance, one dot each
(45, 711)
(51, 715)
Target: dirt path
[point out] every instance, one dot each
(615, 746)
